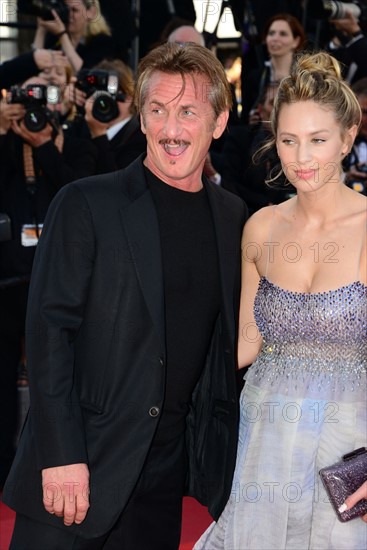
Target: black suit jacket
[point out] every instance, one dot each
(96, 350)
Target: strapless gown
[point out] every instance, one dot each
(302, 407)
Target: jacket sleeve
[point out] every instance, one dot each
(17, 70)
(58, 292)
(358, 53)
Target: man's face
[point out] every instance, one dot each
(179, 126)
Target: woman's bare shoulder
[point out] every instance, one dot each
(259, 223)
(355, 208)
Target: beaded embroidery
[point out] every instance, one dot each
(315, 341)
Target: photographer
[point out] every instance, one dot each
(349, 44)
(85, 37)
(241, 174)
(120, 140)
(35, 165)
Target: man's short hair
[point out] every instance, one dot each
(186, 59)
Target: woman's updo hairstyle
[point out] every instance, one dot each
(313, 77)
(317, 77)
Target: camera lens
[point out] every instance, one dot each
(104, 107)
(35, 120)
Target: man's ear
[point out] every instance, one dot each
(220, 124)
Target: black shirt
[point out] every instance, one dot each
(192, 294)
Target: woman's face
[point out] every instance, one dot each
(280, 40)
(311, 145)
(78, 16)
(55, 74)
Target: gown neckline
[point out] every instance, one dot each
(295, 292)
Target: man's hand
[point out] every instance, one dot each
(348, 25)
(9, 112)
(96, 127)
(66, 492)
(72, 95)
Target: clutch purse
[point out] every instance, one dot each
(342, 479)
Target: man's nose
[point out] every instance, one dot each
(173, 127)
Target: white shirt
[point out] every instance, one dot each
(115, 128)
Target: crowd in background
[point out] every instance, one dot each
(71, 115)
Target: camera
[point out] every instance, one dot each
(35, 97)
(42, 9)
(332, 9)
(105, 87)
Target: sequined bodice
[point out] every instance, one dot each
(317, 341)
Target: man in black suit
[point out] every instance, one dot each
(132, 332)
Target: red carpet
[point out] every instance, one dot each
(195, 520)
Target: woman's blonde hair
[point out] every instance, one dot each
(97, 25)
(315, 77)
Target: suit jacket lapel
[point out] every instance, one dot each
(140, 221)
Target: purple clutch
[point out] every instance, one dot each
(342, 479)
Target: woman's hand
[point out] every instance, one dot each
(46, 59)
(54, 26)
(355, 497)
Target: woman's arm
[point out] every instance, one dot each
(57, 27)
(40, 36)
(249, 337)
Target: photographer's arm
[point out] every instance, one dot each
(355, 40)
(40, 36)
(57, 27)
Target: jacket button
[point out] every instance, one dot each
(154, 411)
(161, 362)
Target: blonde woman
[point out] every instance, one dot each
(303, 321)
(85, 39)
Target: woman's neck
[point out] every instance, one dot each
(281, 66)
(324, 205)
